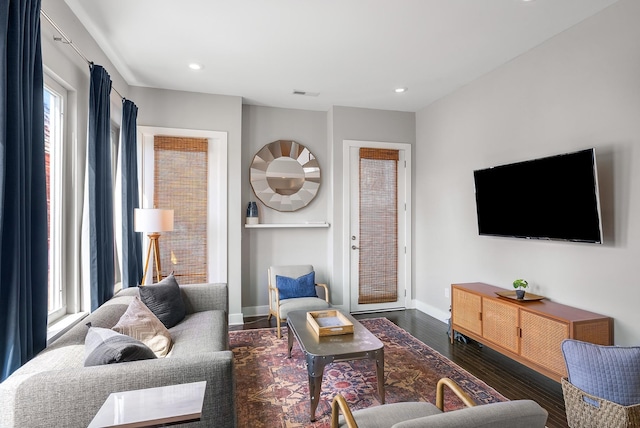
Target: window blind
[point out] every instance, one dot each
(180, 184)
(378, 264)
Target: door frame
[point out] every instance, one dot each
(346, 219)
(217, 258)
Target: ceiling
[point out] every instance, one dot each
(348, 52)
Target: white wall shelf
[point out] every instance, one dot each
(286, 225)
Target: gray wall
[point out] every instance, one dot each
(578, 90)
(324, 134)
(262, 248)
(189, 110)
(347, 123)
(581, 89)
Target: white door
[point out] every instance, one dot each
(379, 222)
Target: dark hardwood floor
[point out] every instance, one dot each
(510, 378)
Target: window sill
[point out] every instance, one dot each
(64, 324)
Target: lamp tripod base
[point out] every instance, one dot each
(155, 248)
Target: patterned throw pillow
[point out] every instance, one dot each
(303, 286)
(104, 346)
(165, 301)
(141, 324)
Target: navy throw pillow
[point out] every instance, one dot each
(290, 288)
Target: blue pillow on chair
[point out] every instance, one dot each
(291, 288)
(609, 372)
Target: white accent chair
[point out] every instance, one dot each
(281, 308)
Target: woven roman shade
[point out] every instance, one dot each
(180, 184)
(378, 267)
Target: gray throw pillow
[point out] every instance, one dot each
(165, 301)
(105, 346)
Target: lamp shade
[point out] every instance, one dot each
(152, 220)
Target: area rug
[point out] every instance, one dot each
(273, 390)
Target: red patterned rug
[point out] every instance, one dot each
(273, 390)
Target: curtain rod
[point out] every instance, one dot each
(66, 40)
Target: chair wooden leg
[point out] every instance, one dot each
(278, 323)
(269, 317)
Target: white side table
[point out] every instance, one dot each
(152, 406)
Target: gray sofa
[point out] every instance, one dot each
(54, 389)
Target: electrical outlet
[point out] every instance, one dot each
(446, 292)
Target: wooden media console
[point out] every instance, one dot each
(527, 331)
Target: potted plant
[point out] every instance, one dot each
(520, 285)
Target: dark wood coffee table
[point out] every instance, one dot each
(322, 350)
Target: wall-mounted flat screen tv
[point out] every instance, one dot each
(554, 198)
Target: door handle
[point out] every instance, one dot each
(353, 247)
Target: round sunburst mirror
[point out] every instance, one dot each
(285, 175)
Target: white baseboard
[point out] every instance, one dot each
(259, 311)
(432, 311)
(236, 319)
(256, 311)
(263, 311)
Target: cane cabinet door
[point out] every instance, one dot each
(541, 340)
(500, 323)
(466, 310)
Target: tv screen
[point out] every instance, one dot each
(553, 198)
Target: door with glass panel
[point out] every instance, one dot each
(378, 230)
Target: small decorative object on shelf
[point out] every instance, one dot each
(252, 213)
(520, 285)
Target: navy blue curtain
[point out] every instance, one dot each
(100, 189)
(131, 240)
(23, 199)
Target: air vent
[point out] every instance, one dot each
(305, 93)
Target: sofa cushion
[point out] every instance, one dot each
(290, 288)
(202, 332)
(390, 414)
(140, 323)
(609, 372)
(505, 414)
(165, 301)
(104, 346)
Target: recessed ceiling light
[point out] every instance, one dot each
(400, 90)
(195, 66)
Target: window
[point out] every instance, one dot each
(202, 165)
(54, 105)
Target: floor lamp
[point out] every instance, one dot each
(152, 221)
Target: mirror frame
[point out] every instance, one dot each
(268, 195)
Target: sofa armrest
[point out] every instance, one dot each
(205, 297)
(506, 414)
(72, 397)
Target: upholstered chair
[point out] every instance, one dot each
(293, 288)
(506, 414)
